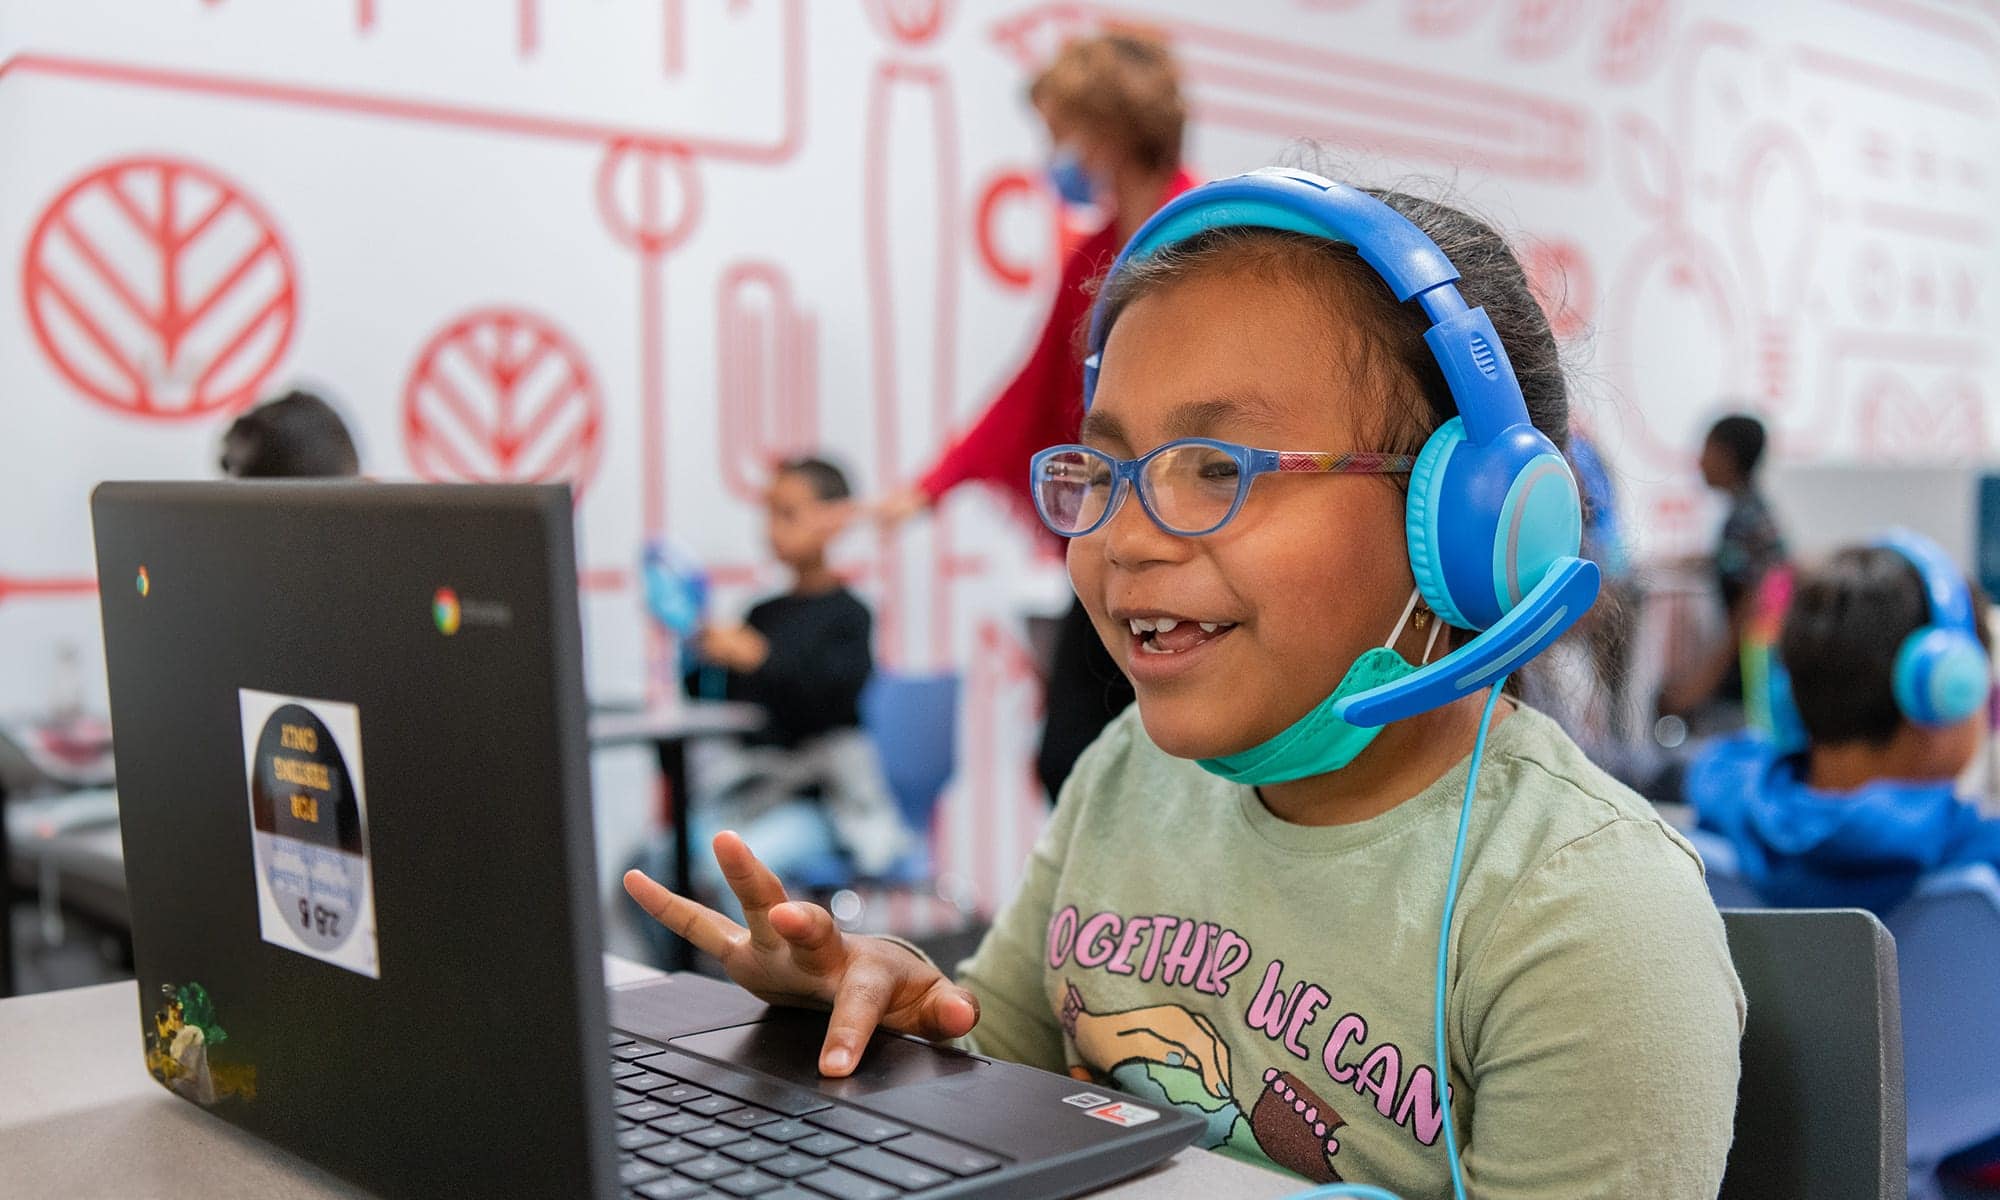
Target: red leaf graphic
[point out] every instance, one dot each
(503, 396)
(159, 289)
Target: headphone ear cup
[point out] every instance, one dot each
(1484, 523)
(1942, 676)
(1420, 521)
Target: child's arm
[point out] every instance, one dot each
(1604, 1021)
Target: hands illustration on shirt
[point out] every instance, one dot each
(1163, 1033)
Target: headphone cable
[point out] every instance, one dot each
(1362, 1191)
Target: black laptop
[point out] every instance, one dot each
(354, 787)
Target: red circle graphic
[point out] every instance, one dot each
(648, 195)
(503, 396)
(1010, 187)
(159, 289)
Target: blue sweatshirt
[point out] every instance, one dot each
(1801, 847)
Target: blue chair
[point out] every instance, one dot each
(913, 720)
(1948, 947)
(1725, 880)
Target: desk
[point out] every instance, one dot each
(670, 728)
(81, 1119)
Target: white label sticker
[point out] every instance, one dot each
(1086, 1099)
(1121, 1112)
(309, 828)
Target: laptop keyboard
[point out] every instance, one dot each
(688, 1127)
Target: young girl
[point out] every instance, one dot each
(1266, 955)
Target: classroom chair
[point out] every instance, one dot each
(1819, 1111)
(1948, 944)
(913, 720)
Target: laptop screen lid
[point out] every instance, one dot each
(353, 784)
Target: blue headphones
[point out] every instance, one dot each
(1493, 520)
(1942, 674)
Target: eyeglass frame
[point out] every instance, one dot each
(1251, 462)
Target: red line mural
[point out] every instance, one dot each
(17, 587)
(159, 289)
(1560, 275)
(1898, 425)
(503, 396)
(1671, 309)
(1291, 89)
(767, 376)
(1636, 39)
(774, 146)
(1539, 29)
(912, 286)
(1007, 189)
(1774, 230)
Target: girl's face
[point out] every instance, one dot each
(1312, 572)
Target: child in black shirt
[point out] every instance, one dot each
(809, 784)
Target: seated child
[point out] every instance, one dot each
(803, 657)
(1868, 804)
(1235, 910)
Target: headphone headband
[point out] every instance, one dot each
(1946, 592)
(1475, 364)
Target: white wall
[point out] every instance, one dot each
(757, 225)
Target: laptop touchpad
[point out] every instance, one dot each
(786, 1045)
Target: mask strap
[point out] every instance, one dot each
(1396, 634)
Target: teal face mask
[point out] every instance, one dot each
(1320, 742)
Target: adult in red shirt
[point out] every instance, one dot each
(1115, 116)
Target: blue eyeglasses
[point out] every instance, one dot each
(1189, 487)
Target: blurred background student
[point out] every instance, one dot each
(808, 784)
(1855, 815)
(1708, 690)
(1114, 113)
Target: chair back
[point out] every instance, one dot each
(1948, 950)
(1819, 1111)
(913, 720)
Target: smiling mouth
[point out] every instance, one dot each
(1171, 635)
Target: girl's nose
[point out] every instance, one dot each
(1132, 539)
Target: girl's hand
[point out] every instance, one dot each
(792, 953)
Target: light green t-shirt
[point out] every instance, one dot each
(1175, 940)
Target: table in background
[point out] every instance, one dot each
(669, 729)
(44, 748)
(81, 1119)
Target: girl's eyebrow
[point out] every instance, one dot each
(1249, 411)
(1239, 410)
(1101, 426)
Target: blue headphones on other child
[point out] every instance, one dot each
(1942, 674)
(1493, 520)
